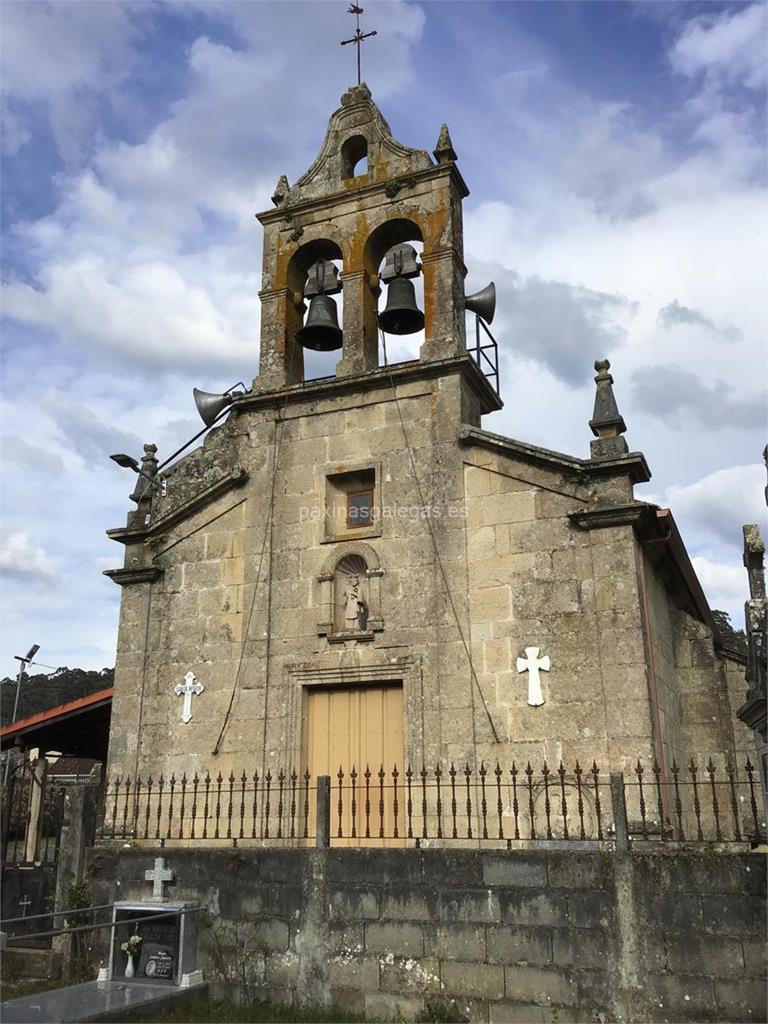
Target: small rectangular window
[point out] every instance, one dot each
(359, 509)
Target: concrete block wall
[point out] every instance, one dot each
(538, 935)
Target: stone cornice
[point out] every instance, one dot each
(326, 202)
(630, 514)
(417, 369)
(753, 713)
(632, 465)
(140, 574)
(124, 535)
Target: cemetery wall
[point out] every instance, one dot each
(539, 935)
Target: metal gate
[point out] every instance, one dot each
(33, 806)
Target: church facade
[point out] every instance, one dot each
(352, 571)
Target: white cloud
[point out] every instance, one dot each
(725, 586)
(715, 507)
(728, 45)
(20, 557)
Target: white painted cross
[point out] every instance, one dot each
(158, 876)
(531, 664)
(185, 690)
(25, 903)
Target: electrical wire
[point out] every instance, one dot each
(434, 541)
(277, 440)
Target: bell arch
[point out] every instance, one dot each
(297, 272)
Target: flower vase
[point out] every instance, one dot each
(130, 970)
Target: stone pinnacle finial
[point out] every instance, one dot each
(444, 151)
(281, 190)
(754, 556)
(607, 423)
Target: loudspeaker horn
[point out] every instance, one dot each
(483, 302)
(209, 406)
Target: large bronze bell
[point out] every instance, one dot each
(401, 315)
(321, 332)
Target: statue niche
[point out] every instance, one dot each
(350, 595)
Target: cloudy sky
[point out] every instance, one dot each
(616, 157)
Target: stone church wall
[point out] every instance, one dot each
(537, 580)
(524, 936)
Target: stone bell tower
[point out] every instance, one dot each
(334, 213)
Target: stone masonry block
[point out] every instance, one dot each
(754, 956)
(354, 903)
(741, 1000)
(540, 985)
(733, 915)
(452, 867)
(271, 934)
(683, 997)
(707, 954)
(528, 1013)
(408, 975)
(490, 603)
(455, 941)
(468, 979)
(580, 947)
(679, 912)
(590, 909)
(407, 939)
(345, 937)
(542, 908)
(509, 944)
(409, 904)
(281, 970)
(515, 871)
(390, 867)
(574, 870)
(469, 905)
(353, 972)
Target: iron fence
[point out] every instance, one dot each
(234, 808)
(483, 805)
(696, 804)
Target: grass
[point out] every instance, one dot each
(202, 1011)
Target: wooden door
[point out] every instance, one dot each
(358, 727)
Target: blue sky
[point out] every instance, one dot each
(616, 157)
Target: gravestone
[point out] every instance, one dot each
(169, 948)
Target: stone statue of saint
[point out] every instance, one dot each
(353, 606)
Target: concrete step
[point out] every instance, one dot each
(20, 962)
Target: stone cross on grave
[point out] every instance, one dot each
(531, 664)
(185, 690)
(158, 876)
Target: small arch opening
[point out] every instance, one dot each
(354, 157)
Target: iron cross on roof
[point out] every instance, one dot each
(359, 36)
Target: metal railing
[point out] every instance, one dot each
(487, 364)
(695, 804)
(210, 808)
(487, 805)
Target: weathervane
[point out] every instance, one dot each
(359, 36)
